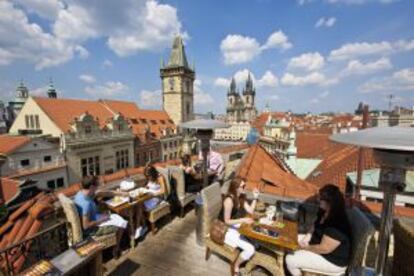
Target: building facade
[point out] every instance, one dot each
(275, 138)
(177, 79)
(241, 108)
(38, 160)
(237, 131)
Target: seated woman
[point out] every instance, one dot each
(191, 184)
(235, 207)
(94, 223)
(327, 248)
(156, 184)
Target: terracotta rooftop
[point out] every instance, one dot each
(9, 189)
(10, 143)
(262, 170)
(261, 120)
(312, 145)
(337, 163)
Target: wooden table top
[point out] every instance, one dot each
(287, 239)
(128, 205)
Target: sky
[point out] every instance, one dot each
(304, 55)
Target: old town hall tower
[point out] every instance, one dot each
(178, 84)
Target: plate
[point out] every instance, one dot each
(114, 203)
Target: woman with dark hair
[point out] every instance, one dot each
(156, 185)
(235, 209)
(191, 184)
(327, 247)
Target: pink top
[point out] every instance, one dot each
(214, 162)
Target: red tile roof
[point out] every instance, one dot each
(262, 170)
(9, 188)
(312, 145)
(261, 120)
(63, 111)
(10, 143)
(338, 163)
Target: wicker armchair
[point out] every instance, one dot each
(164, 208)
(183, 198)
(75, 227)
(403, 261)
(212, 204)
(362, 231)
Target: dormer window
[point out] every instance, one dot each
(88, 129)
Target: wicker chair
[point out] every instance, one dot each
(362, 231)
(212, 204)
(183, 198)
(75, 233)
(403, 261)
(164, 208)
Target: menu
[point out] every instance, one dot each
(43, 267)
(87, 247)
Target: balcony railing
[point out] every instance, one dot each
(44, 245)
(37, 167)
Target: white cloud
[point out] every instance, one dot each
(48, 9)
(277, 40)
(107, 63)
(223, 82)
(87, 78)
(356, 67)
(325, 22)
(40, 91)
(402, 80)
(358, 49)
(237, 49)
(274, 98)
(360, 2)
(201, 98)
(23, 40)
(108, 89)
(128, 27)
(268, 80)
(320, 97)
(315, 78)
(151, 98)
(307, 61)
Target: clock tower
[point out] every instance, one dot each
(177, 80)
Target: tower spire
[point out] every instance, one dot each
(178, 57)
(51, 91)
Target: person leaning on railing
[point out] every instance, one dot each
(90, 218)
(327, 248)
(235, 209)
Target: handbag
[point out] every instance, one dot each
(218, 231)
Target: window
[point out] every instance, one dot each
(188, 109)
(163, 122)
(47, 158)
(171, 144)
(31, 121)
(122, 161)
(90, 166)
(37, 124)
(137, 159)
(165, 146)
(60, 182)
(24, 162)
(146, 157)
(134, 121)
(88, 129)
(165, 157)
(171, 121)
(26, 117)
(144, 121)
(51, 184)
(153, 122)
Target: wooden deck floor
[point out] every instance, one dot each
(172, 251)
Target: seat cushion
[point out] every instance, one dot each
(189, 197)
(162, 209)
(225, 250)
(311, 272)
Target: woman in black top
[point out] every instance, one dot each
(191, 184)
(327, 248)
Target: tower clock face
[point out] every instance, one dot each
(171, 82)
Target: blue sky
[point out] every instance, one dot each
(305, 55)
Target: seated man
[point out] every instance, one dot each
(215, 164)
(191, 184)
(94, 223)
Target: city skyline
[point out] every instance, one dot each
(303, 55)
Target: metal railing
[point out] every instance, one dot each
(44, 245)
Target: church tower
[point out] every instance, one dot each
(21, 95)
(249, 94)
(51, 91)
(178, 84)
